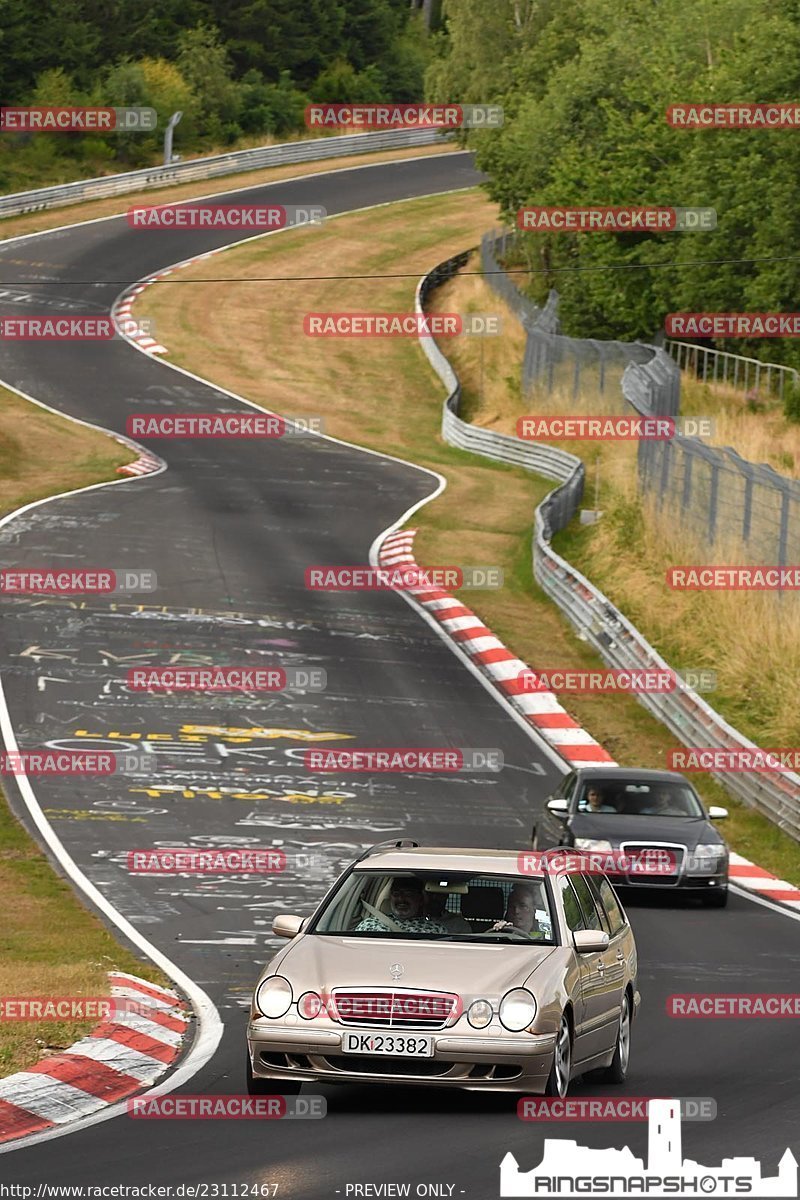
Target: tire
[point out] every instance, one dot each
(558, 1079)
(269, 1087)
(716, 899)
(617, 1071)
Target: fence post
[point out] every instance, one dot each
(712, 504)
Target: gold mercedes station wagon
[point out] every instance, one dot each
(453, 968)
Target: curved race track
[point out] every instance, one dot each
(229, 529)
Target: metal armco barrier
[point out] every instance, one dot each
(209, 168)
(695, 724)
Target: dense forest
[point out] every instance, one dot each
(585, 85)
(236, 69)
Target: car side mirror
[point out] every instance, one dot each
(717, 813)
(287, 926)
(559, 808)
(589, 941)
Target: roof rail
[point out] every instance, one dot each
(392, 844)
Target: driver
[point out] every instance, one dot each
(407, 904)
(520, 912)
(595, 801)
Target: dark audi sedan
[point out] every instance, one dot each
(644, 828)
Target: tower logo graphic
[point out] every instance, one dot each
(568, 1169)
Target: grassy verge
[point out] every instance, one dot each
(49, 944)
(381, 393)
(92, 209)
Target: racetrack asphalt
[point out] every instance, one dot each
(229, 529)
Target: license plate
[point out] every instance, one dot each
(393, 1045)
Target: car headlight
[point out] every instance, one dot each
(479, 1014)
(592, 844)
(517, 1010)
(310, 1005)
(706, 855)
(274, 996)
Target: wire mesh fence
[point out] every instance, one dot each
(715, 498)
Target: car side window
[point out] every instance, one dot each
(590, 913)
(564, 789)
(572, 908)
(611, 905)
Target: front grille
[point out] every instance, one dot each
(655, 878)
(410, 1067)
(394, 1008)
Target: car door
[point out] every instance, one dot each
(590, 973)
(601, 991)
(549, 829)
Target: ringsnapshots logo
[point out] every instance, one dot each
(226, 679)
(222, 425)
(77, 119)
(405, 760)
(404, 116)
(61, 581)
(46, 760)
(742, 114)
(567, 1169)
(401, 578)
(399, 324)
(616, 219)
(227, 1108)
(245, 217)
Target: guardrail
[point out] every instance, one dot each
(282, 154)
(689, 356)
(695, 724)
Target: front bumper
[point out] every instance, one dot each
(685, 882)
(505, 1062)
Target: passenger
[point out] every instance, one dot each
(663, 804)
(407, 910)
(453, 922)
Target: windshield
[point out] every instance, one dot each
(427, 906)
(647, 799)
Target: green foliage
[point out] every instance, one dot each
(791, 402)
(232, 67)
(585, 86)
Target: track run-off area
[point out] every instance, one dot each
(229, 528)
